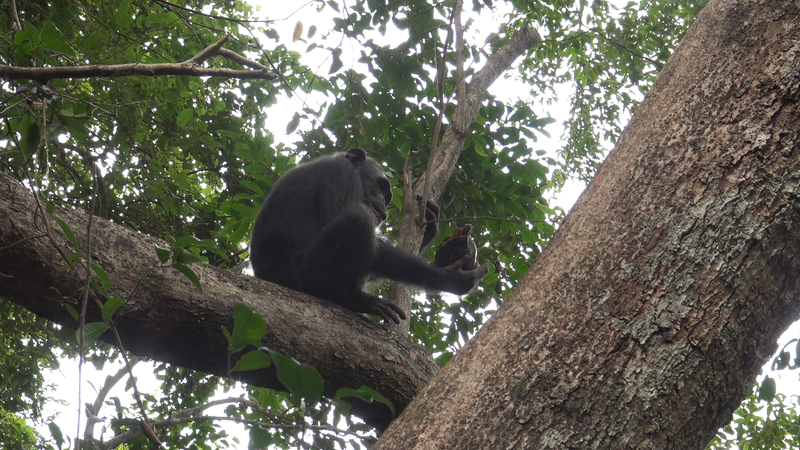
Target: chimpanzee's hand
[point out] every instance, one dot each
(370, 304)
(431, 225)
(464, 281)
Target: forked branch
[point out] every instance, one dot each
(191, 67)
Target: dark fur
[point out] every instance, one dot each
(315, 233)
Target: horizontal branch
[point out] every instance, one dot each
(168, 319)
(190, 67)
(128, 70)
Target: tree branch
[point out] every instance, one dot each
(190, 67)
(443, 159)
(94, 408)
(453, 141)
(209, 51)
(15, 15)
(171, 320)
(169, 5)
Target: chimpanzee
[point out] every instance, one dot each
(315, 233)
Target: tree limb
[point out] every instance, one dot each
(94, 408)
(15, 15)
(453, 141)
(170, 320)
(190, 67)
(444, 159)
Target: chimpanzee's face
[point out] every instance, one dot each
(377, 189)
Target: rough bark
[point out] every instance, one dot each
(168, 319)
(644, 322)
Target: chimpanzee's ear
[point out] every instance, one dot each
(356, 155)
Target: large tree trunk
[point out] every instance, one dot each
(646, 319)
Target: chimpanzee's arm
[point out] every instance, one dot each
(397, 264)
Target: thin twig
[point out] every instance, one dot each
(112, 326)
(128, 70)
(192, 415)
(624, 47)
(208, 52)
(286, 83)
(22, 240)
(84, 303)
(101, 396)
(15, 15)
(461, 90)
(211, 16)
(130, 371)
(441, 73)
(466, 218)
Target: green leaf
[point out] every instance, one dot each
(302, 381)
(293, 123)
(111, 306)
(20, 37)
(33, 35)
(73, 313)
(124, 14)
(797, 354)
(189, 274)
(252, 361)
(186, 241)
(781, 361)
(102, 275)
(185, 117)
(55, 431)
(67, 231)
(248, 328)
(367, 394)
(91, 331)
(342, 406)
(445, 357)
(49, 31)
(31, 134)
(263, 437)
(163, 254)
(22, 53)
(767, 390)
(337, 62)
(57, 47)
(180, 256)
